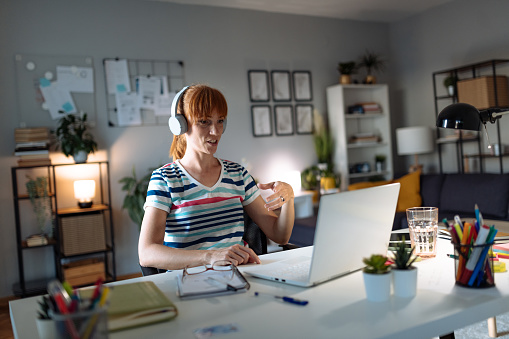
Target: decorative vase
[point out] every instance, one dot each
(370, 79)
(345, 79)
(377, 286)
(379, 165)
(405, 282)
(450, 90)
(46, 328)
(80, 157)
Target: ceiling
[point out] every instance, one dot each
(365, 10)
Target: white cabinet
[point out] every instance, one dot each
(360, 137)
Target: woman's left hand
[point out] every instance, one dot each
(283, 193)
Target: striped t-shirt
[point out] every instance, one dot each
(201, 217)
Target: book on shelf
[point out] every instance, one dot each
(370, 107)
(36, 240)
(33, 156)
(135, 304)
(22, 135)
(364, 139)
(34, 162)
(32, 152)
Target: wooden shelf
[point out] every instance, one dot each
(76, 210)
(367, 144)
(363, 115)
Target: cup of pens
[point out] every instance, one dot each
(92, 324)
(78, 317)
(472, 270)
(472, 251)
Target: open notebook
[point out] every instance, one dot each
(350, 226)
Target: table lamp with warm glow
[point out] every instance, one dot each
(414, 141)
(84, 191)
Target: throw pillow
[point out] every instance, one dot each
(409, 192)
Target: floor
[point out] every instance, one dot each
(5, 320)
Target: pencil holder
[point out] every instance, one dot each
(473, 266)
(82, 324)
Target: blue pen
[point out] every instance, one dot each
(286, 299)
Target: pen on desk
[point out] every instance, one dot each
(452, 256)
(286, 299)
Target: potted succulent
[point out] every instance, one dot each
(372, 62)
(46, 327)
(450, 84)
(73, 137)
(346, 69)
(404, 275)
(377, 278)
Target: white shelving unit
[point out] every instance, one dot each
(344, 125)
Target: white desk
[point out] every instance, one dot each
(336, 309)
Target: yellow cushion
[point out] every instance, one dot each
(366, 184)
(410, 191)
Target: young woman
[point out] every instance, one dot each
(194, 206)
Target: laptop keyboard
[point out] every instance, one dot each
(298, 270)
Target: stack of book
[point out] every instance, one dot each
(36, 240)
(370, 107)
(364, 138)
(32, 146)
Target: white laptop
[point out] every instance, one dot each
(350, 226)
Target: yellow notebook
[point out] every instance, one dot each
(136, 304)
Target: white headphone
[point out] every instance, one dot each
(177, 122)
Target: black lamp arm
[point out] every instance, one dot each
(492, 114)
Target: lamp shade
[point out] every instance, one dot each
(460, 116)
(84, 191)
(414, 140)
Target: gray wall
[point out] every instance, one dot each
(218, 46)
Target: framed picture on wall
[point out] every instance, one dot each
(258, 85)
(262, 120)
(302, 86)
(281, 86)
(304, 119)
(284, 119)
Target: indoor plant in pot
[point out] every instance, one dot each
(377, 278)
(404, 275)
(450, 84)
(346, 69)
(136, 195)
(73, 137)
(372, 62)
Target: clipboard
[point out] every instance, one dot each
(211, 284)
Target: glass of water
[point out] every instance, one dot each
(423, 229)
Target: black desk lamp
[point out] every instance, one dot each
(465, 116)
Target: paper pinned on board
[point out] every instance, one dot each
(117, 76)
(76, 79)
(57, 100)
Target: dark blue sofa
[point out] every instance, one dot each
(451, 193)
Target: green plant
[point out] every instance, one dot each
(380, 158)
(450, 81)
(372, 62)
(324, 144)
(308, 178)
(44, 304)
(376, 264)
(38, 193)
(402, 256)
(72, 135)
(347, 68)
(136, 195)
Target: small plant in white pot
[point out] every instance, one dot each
(404, 275)
(377, 278)
(74, 138)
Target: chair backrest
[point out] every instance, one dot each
(253, 235)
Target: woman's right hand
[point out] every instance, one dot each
(236, 254)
